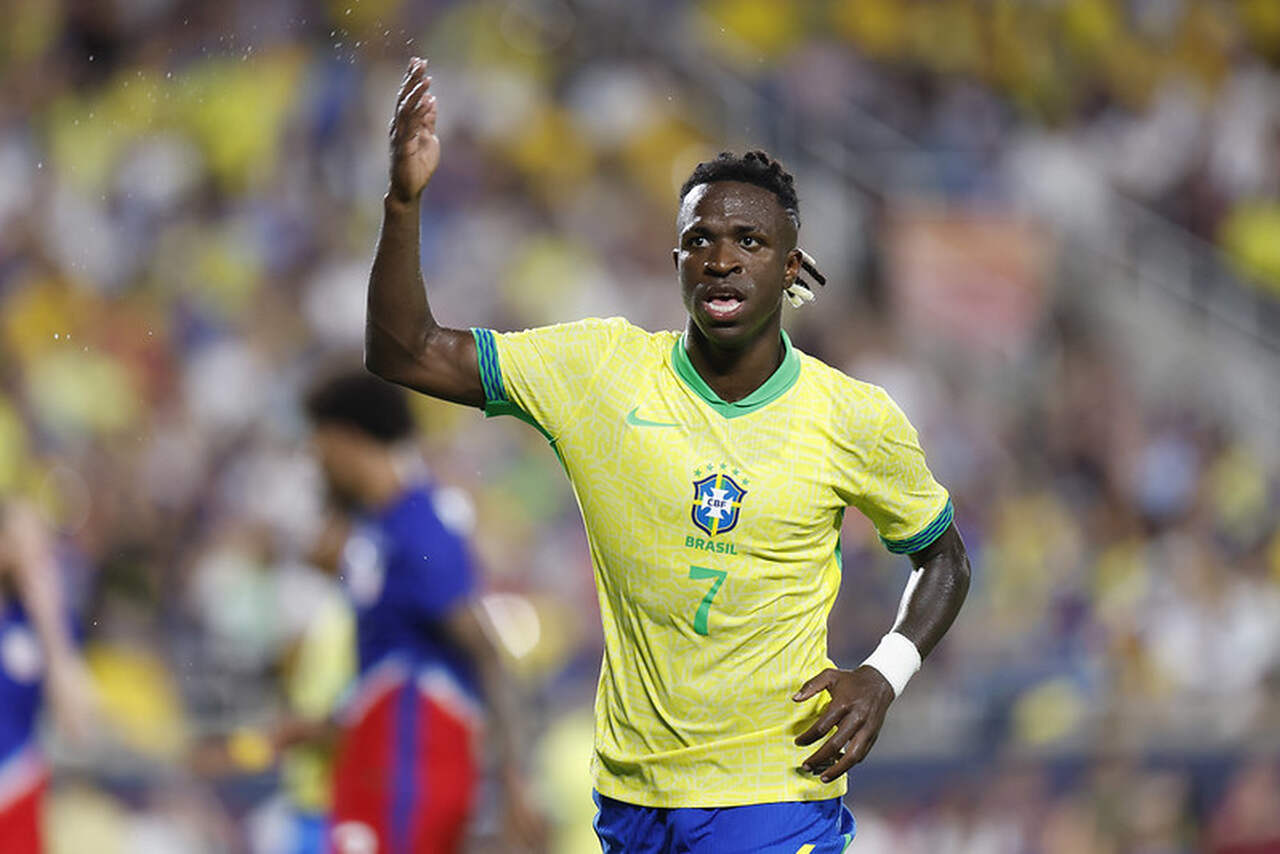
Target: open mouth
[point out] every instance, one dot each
(723, 308)
(723, 304)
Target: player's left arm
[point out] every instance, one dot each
(27, 555)
(860, 697)
(468, 628)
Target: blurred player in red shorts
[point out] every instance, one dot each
(36, 654)
(407, 764)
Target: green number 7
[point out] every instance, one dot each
(701, 573)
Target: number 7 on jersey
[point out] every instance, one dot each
(702, 573)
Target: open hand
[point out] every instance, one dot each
(859, 700)
(74, 700)
(415, 148)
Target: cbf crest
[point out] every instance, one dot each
(717, 499)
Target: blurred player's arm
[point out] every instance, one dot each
(468, 628)
(860, 697)
(403, 342)
(27, 556)
(325, 551)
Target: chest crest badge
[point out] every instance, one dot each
(717, 500)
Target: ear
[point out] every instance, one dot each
(794, 262)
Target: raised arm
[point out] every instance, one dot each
(403, 342)
(860, 697)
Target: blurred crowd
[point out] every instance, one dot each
(1054, 107)
(189, 197)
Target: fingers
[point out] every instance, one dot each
(821, 682)
(417, 67)
(429, 112)
(856, 751)
(831, 716)
(412, 101)
(412, 98)
(416, 116)
(829, 753)
(402, 120)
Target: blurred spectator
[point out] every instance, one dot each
(1248, 819)
(188, 200)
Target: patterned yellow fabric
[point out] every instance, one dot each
(713, 530)
(322, 669)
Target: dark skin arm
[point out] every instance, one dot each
(860, 698)
(403, 342)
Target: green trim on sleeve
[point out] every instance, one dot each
(494, 408)
(927, 534)
(490, 372)
(496, 401)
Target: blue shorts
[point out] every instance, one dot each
(310, 833)
(790, 827)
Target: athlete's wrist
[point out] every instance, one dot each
(897, 660)
(511, 780)
(401, 202)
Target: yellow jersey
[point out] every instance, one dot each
(320, 671)
(714, 534)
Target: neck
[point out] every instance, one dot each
(381, 482)
(735, 373)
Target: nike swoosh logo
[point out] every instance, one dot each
(636, 421)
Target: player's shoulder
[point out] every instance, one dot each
(428, 512)
(631, 344)
(609, 326)
(853, 413)
(840, 387)
(625, 331)
(593, 332)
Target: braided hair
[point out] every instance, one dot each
(758, 168)
(754, 167)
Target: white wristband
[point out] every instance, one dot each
(897, 659)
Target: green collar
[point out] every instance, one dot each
(773, 388)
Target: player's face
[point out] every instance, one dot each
(337, 451)
(736, 256)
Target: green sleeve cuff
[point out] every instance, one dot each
(926, 536)
(490, 371)
(496, 401)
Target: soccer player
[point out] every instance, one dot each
(37, 653)
(315, 670)
(407, 766)
(713, 467)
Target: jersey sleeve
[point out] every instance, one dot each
(324, 663)
(895, 488)
(544, 375)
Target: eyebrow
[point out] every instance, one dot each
(742, 228)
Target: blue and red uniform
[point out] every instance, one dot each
(406, 768)
(24, 776)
